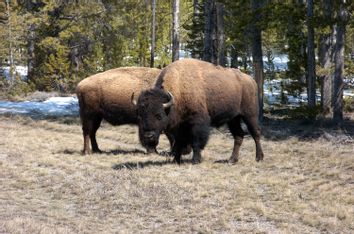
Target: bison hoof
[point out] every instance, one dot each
(151, 151)
(233, 161)
(196, 161)
(259, 157)
(177, 160)
(97, 151)
(86, 152)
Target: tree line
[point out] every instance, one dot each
(63, 41)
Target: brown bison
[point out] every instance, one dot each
(107, 95)
(190, 96)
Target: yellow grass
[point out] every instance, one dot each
(304, 185)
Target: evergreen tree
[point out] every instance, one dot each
(342, 19)
(257, 53)
(311, 63)
(195, 30)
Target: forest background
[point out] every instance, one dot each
(60, 42)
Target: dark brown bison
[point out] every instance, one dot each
(190, 96)
(107, 95)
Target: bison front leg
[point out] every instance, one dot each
(177, 152)
(238, 134)
(200, 136)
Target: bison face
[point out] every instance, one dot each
(153, 109)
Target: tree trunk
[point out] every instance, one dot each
(325, 54)
(208, 30)
(244, 62)
(175, 31)
(220, 32)
(311, 63)
(195, 8)
(339, 64)
(214, 33)
(234, 56)
(257, 53)
(153, 23)
(30, 52)
(11, 56)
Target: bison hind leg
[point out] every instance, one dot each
(238, 134)
(96, 122)
(89, 129)
(255, 131)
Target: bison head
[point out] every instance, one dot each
(153, 108)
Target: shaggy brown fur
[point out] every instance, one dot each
(107, 95)
(204, 95)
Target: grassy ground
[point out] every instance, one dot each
(304, 185)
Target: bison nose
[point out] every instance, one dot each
(149, 134)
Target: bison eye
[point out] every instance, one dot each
(158, 116)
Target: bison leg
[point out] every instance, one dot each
(177, 151)
(96, 122)
(187, 149)
(179, 145)
(86, 129)
(238, 134)
(200, 136)
(177, 154)
(253, 128)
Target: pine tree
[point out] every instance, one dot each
(325, 54)
(311, 63)
(342, 19)
(175, 30)
(196, 30)
(257, 53)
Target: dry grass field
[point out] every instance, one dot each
(304, 185)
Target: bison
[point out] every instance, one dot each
(190, 96)
(107, 96)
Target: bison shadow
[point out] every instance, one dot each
(141, 165)
(110, 152)
(136, 151)
(124, 152)
(222, 161)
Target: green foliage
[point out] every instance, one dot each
(348, 104)
(74, 39)
(195, 31)
(17, 87)
(305, 112)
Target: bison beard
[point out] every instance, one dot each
(201, 95)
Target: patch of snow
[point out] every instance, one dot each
(54, 106)
(22, 71)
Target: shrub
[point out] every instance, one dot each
(348, 105)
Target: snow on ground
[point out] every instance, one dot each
(53, 106)
(20, 70)
(68, 106)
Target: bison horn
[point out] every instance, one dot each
(170, 103)
(133, 100)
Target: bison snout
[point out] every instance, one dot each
(149, 135)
